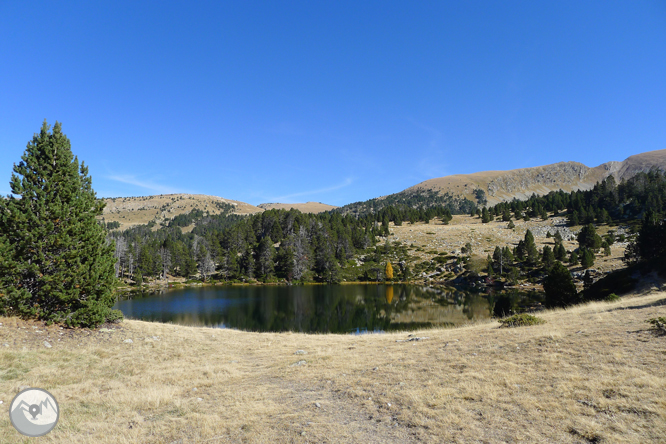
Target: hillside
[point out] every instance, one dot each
(591, 373)
(522, 183)
(129, 211)
(307, 207)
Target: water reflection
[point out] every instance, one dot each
(320, 308)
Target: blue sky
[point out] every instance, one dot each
(329, 101)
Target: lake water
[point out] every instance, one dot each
(320, 308)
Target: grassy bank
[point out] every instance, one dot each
(594, 373)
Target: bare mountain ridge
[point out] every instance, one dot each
(522, 183)
(130, 211)
(498, 186)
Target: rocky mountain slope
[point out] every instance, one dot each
(522, 183)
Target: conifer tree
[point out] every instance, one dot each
(573, 258)
(560, 252)
(485, 216)
(559, 287)
(588, 238)
(586, 258)
(55, 263)
(530, 248)
(548, 257)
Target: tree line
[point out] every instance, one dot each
(275, 244)
(606, 202)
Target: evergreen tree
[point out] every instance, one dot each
(559, 287)
(520, 250)
(498, 260)
(285, 262)
(531, 252)
(265, 257)
(588, 238)
(548, 257)
(543, 214)
(560, 252)
(586, 258)
(406, 273)
(55, 264)
(651, 241)
(485, 216)
(573, 258)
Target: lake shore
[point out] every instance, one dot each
(592, 373)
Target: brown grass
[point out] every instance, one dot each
(462, 229)
(594, 373)
(130, 211)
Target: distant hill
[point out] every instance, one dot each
(461, 192)
(522, 183)
(130, 211)
(307, 207)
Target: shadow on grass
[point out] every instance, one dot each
(658, 303)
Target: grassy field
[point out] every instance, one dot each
(591, 374)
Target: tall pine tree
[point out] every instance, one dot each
(55, 263)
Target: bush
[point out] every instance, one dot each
(612, 298)
(658, 324)
(521, 320)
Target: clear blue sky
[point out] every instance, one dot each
(329, 101)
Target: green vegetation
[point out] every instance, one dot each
(658, 324)
(559, 287)
(521, 320)
(612, 298)
(273, 245)
(411, 200)
(607, 202)
(618, 282)
(55, 263)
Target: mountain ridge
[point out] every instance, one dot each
(458, 192)
(523, 182)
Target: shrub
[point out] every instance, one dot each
(612, 298)
(658, 324)
(521, 320)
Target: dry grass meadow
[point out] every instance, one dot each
(436, 237)
(591, 374)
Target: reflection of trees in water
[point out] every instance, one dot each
(312, 309)
(322, 308)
